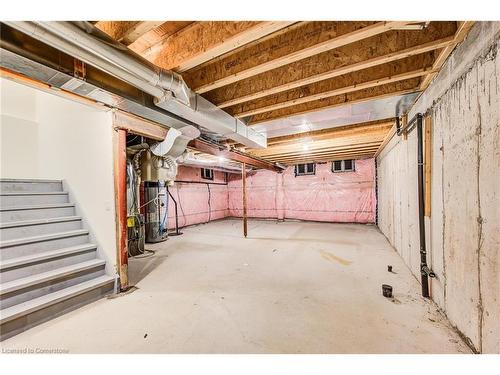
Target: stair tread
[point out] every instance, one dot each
(36, 207)
(33, 258)
(47, 276)
(22, 193)
(43, 237)
(25, 223)
(27, 180)
(52, 298)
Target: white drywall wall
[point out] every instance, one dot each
(50, 137)
(464, 227)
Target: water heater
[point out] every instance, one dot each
(155, 211)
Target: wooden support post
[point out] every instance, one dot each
(244, 187)
(120, 174)
(404, 121)
(428, 164)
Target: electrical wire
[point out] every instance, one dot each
(209, 205)
(162, 224)
(155, 199)
(180, 204)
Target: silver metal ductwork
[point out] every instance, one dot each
(84, 41)
(188, 159)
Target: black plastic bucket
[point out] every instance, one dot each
(387, 290)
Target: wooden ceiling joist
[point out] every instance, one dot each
(127, 32)
(379, 92)
(349, 141)
(326, 150)
(325, 147)
(321, 155)
(204, 41)
(336, 132)
(156, 35)
(262, 71)
(327, 158)
(139, 30)
(312, 39)
(462, 31)
(377, 76)
(391, 46)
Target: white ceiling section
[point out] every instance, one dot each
(348, 114)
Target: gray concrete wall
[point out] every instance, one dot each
(463, 232)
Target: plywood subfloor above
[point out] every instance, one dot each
(273, 74)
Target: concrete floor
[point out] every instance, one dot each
(290, 287)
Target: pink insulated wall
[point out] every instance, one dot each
(193, 198)
(326, 196)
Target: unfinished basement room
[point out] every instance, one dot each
(250, 187)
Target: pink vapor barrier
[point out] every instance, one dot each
(347, 197)
(325, 196)
(198, 200)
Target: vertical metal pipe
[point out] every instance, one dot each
(244, 187)
(421, 210)
(120, 175)
(176, 214)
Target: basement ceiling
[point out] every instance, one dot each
(320, 91)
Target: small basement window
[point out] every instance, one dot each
(207, 174)
(343, 165)
(305, 169)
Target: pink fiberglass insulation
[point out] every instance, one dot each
(193, 198)
(325, 196)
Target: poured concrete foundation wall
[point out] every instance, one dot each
(45, 136)
(463, 230)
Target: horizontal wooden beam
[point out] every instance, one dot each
(462, 31)
(379, 92)
(138, 30)
(139, 126)
(391, 46)
(335, 132)
(344, 90)
(371, 144)
(284, 50)
(203, 41)
(127, 32)
(311, 148)
(309, 145)
(151, 38)
(351, 151)
(386, 140)
(116, 29)
(240, 157)
(326, 158)
(361, 150)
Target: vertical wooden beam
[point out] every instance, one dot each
(120, 175)
(427, 163)
(244, 187)
(404, 121)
